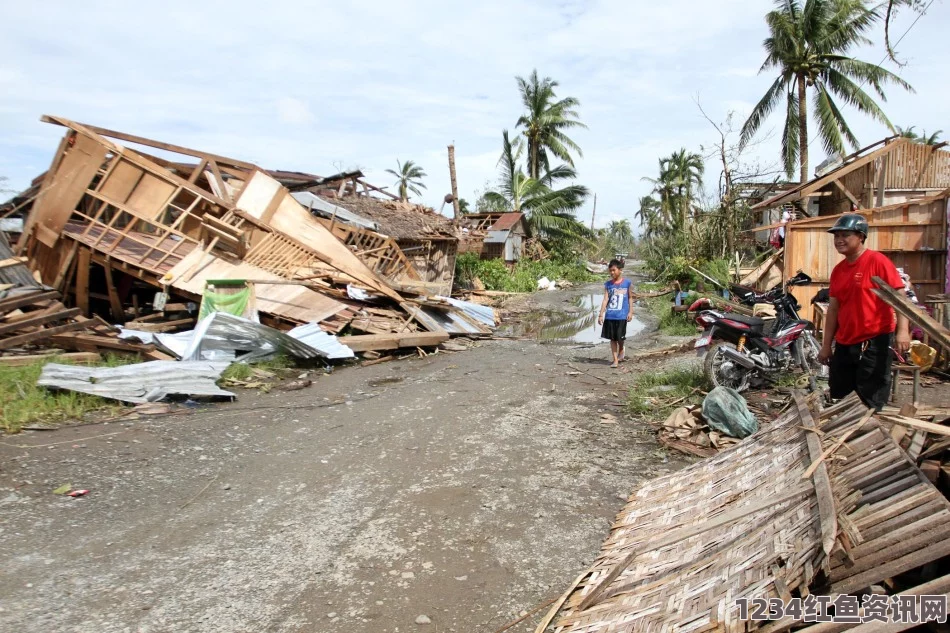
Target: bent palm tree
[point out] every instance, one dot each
(545, 122)
(808, 45)
(548, 210)
(408, 179)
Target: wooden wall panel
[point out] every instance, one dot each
(63, 190)
(150, 196)
(913, 236)
(121, 180)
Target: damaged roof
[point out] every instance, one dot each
(506, 222)
(396, 219)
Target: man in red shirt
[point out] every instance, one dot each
(859, 323)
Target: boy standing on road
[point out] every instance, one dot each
(616, 310)
(860, 324)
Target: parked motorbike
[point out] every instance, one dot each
(741, 354)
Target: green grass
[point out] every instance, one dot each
(671, 323)
(23, 403)
(523, 277)
(685, 383)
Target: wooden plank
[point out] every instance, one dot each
(39, 335)
(63, 190)
(893, 567)
(376, 342)
(847, 193)
(141, 140)
(826, 499)
(12, 303)
(79, 358)
(38, 320)
(899, 302)
(12, 261)
(82, 280)
(918, 425)
(115, 304)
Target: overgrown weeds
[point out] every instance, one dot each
(22, 402)
(658, 392)
(523, 277)
(671, 323)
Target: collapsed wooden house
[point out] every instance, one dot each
(418, 236)
(900, 186)
(134, 225)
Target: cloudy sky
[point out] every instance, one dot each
(315, 86)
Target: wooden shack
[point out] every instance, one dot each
(912, 234)
(888, 172)
(899, 185)
(495, 235)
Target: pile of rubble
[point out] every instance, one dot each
(159, 246)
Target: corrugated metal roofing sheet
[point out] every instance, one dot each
(482, 314)
(327, 209)
(18, 274)
(142, 382)
(222, 336)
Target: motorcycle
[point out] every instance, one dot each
(741, 354)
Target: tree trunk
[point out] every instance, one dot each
(533, 167)
(802, 129)
(455, 188)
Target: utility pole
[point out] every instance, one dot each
(593, 214)
(455, 188)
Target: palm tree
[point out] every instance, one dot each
(808, 45)
(681, 176)
(923, 137)
(545, 122)
(408, 179)
(548, 210)
(620, 234)
(649, 215)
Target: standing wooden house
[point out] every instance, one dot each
(505, 238)
(901, 187)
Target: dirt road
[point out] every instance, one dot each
(461, 487)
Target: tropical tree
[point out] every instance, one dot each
(408, 179)
(680, 178)
(545, 122)
(649, 214)
(808, 45)
(620, 235)
(463, 206)
(549, 210)
(923, 137)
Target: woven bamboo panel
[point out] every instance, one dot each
(773, 547)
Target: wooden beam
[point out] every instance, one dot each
(30, 337)
(38, 320)
(826, 499)
(219, 180)
(374, 342)
(20, 301)
(902, 304)
(141, 140)
(193, 178)
(82, 280)
(79, 358)
(847, 193)
(115, 304)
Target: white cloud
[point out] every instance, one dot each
(292, 110)
(309, 88)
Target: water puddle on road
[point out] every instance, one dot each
(575, 324)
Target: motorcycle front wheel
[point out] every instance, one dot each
(723, 372)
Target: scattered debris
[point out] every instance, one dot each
(725, 411)
(144, 382)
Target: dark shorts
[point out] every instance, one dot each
(864, 368)
(614, 329)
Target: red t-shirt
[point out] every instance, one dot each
(861, 314)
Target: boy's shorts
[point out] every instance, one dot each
(614, 329)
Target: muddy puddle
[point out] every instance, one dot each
(574, 324)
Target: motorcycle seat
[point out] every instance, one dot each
(748, 320)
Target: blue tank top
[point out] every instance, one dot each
(618, 305)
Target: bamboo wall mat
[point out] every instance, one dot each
(746, 524)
